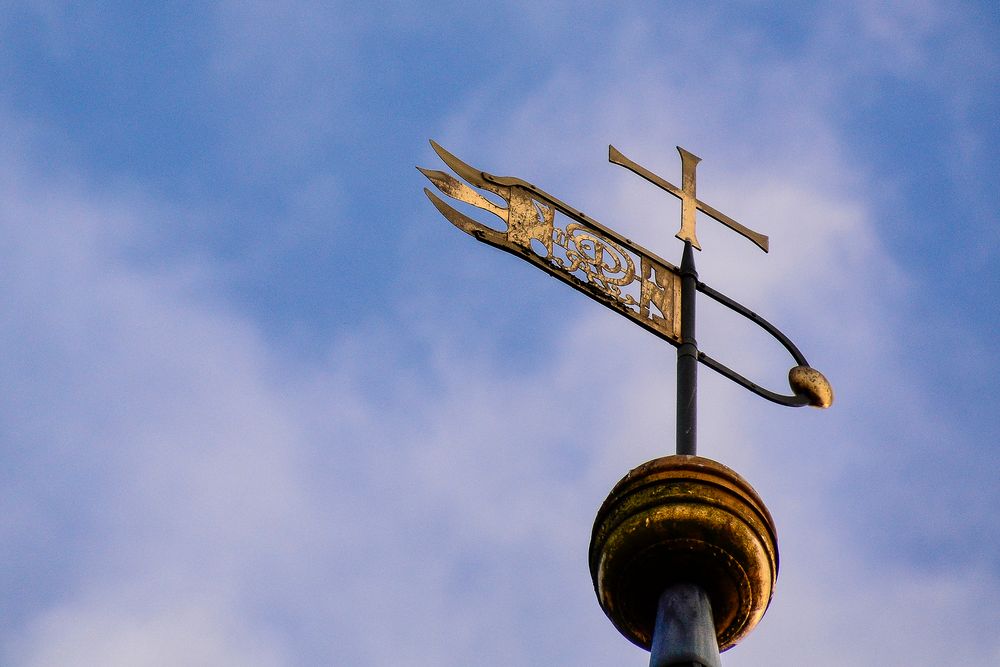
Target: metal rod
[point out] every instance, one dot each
(687, 359)
(684, 634)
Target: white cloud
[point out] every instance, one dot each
(152, 437)
(192, 630)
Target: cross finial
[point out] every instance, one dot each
(690, 204)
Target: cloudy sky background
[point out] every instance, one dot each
(263, 406)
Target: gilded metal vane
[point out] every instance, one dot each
(608, 267)
(683, 554)
(580, 251)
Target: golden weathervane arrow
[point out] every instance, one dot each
(610, 268)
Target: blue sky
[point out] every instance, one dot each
(263, 406)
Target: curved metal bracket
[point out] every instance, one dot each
(808, 384)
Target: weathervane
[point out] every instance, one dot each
(683, 553)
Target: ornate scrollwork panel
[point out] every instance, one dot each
(579, 251)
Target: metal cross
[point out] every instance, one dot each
(690, 204)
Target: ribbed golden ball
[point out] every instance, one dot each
(684, 519)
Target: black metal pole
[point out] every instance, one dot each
(687, 359)
(684, 634)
